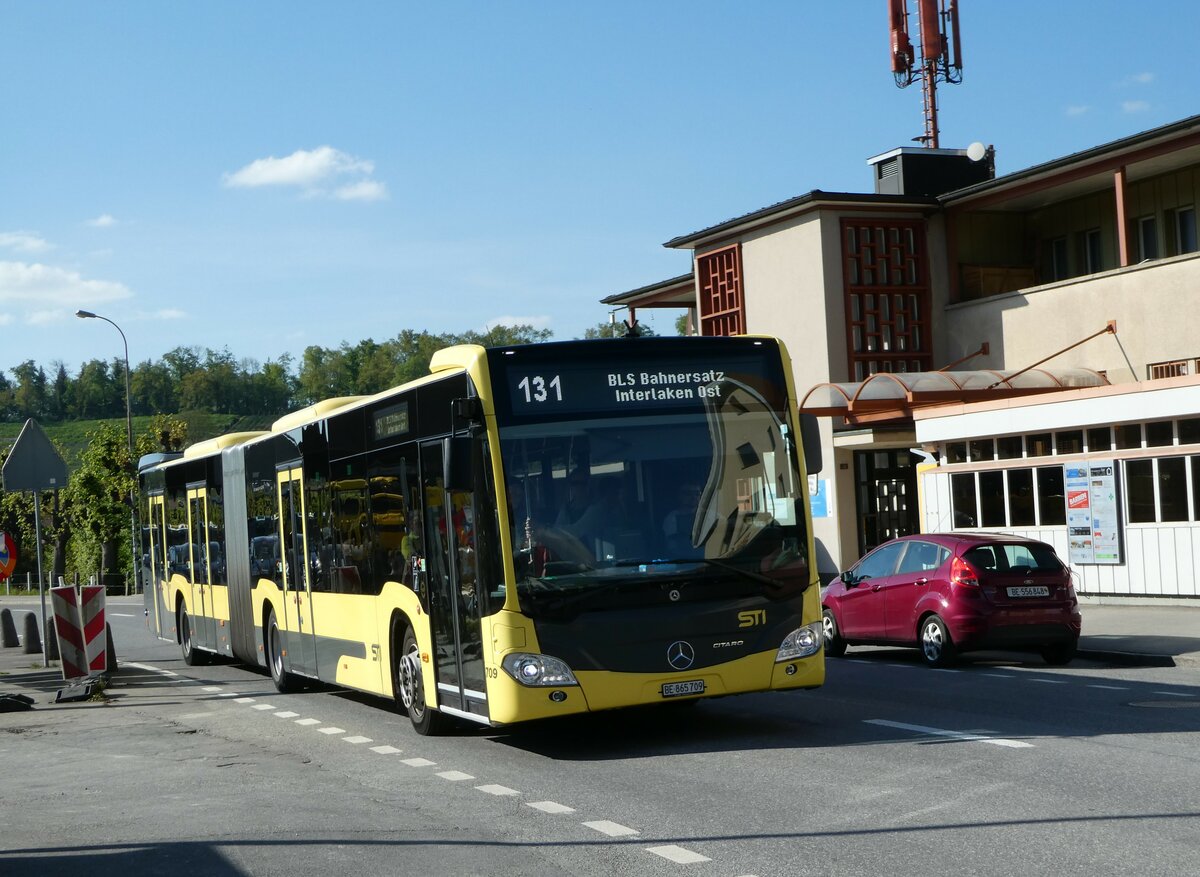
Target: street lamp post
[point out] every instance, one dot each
(133, 556)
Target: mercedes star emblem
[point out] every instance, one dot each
(680, 655)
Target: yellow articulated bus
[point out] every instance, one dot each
(527, 532)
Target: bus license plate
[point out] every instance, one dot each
(678, 689)
(1030, 591)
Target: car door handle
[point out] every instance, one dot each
(921, 582)
(876, 587)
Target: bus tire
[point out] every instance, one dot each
(410, 687)
(192, 656)
(284, 681)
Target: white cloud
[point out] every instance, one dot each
(541, 321)
(24, 242)
(1134, 106)
(170, 314)
(306, 169)
(44, 293)
(363, 190)
(104, 220)
(1077, 110)
(1141, 78)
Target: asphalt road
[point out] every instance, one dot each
(999, 767)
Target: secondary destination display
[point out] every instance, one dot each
(566, 388)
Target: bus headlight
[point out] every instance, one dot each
(538, 670)
(800, 643)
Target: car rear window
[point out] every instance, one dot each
(1014, 557)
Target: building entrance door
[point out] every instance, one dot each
(886, 495)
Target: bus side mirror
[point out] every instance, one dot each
(810, 441)
(458, 463)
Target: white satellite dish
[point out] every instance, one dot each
(976, 151)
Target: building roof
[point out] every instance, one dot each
(676, 292)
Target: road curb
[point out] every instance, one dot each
(1133, 659)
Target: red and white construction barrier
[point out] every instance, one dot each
(65, 601)
(95, 635)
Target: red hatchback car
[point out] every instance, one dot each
(951, 593)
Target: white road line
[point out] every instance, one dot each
(148, 668)
(1173, 694)
(678, 855)
(550, 807)
(122, 615)
(356, 740)
(953, 735)
(308, 721)
(230, 694)
(264, 706)
(500, 791)
(418, 762)
(1000, 675)
(244, 700)
(386, 750)
(1049, 681)
(286, 714)
(944, 670)
(612, 829)
(1110, 687)
(213, 688)
(332, 730)
(455, 776)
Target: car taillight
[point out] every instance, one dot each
(962, 573)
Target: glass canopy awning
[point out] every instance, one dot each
(893, 395)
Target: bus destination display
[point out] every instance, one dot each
(544, 389)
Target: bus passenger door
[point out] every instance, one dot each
(203, 625)
(297, 626)
(453, 605)
(152, 595)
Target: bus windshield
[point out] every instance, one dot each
(607, 512)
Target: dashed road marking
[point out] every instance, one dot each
(612, 829)
(952, 735)
(455, 776)
(286, 714)
(386, 750)
(500, 791)
(678, 855)
(1049, 681)
(264, 706)
(244, 700)
(550, 807)
(308, 722)
(213, 688)
(332, 730)
(1110, 687)
(357, 740)
(418, 762)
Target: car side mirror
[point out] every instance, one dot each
(849, 579)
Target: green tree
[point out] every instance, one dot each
(616, 330)
(96, 393)
(154, 389)
(29, 395)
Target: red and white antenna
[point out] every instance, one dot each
(941, 53)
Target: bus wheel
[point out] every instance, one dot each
(284, 681)
(192, 656)
(411, 688)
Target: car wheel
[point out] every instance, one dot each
(284, 681)
(1059, 654)
(835, 646)
(410, 687)
(937, 649)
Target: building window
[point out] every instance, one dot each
(1059, 270)
(1021, 512)
(1070, 442)
(1092, 253)
(887, 297)
(1008, 447)
(991, 499)
(1189, 431)
(956, 452)
(1159, 434)
(1185, 231)
(1099, 439)
(1129, 435)
(981, 450)
(1158, 490)
(1052, 500)
(1038, 445)
(722, 310)
(1147, 237)
(962, 497)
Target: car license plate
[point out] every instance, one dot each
(1029, 591)
(678, 689)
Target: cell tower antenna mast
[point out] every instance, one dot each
(941, 53)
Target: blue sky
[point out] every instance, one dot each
(272, 175)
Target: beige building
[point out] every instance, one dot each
(1086, 267)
